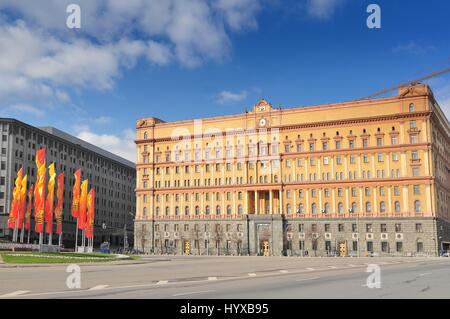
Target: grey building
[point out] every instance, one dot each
(290, 236)
(113, 177)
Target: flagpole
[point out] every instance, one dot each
(29, 230)
(60, 240)
(50, 239)
(22, 232)
(76, 237)
(16, 230)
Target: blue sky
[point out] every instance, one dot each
(190, 59)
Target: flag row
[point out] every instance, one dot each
(42, 195)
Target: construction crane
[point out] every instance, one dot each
(413, 82)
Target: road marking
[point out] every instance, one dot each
(251, 274)
(99, 287)
(306, 279)
(192, 293)
(332, 267)
(309, 268)
(15, 293)
(351, 265)
(425, 274)
(284, 271)
(162, 282)
(212, 278)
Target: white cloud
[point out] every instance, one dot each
(19, 109)
(42, 60)
(322, 9)
(122, 145)
(239, 14)
(224, 97)
(413, 48)
(103, 120)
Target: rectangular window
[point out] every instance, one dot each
(419, 228)
(301, 228)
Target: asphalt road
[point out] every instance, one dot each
(234, 277)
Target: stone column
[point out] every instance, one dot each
(271, 201)
(256, 203)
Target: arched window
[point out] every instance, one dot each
(197, 210)
(288, 209)
(157, 211)
(145, 135)
(167, 210)
(327, 208)
(382, 207)
(368, 207)
(228, 210)
(218, 210)
(301, 209)
(313, 208)
(240, 209)
(397, 206)
(208, 210)
(340, 208)
(145, 211)
(411, 107)
(177, 211)
(417, 206)
(186, 210)
(354, 207)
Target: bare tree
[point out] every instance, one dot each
(218, 236)
(196, 235)
(160, 235)
(141, 236)
(314, 235)
(237, 241)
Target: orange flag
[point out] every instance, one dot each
(59, 205)
(23, 200)
(50, 202)
(15, 203)
(90, 214)
(28, 211)
(76, 194)
(83, 205)
(39, 191)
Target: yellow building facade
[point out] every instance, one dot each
(360, 177)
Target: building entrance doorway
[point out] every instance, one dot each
(187, 247)
(342, 249)
(265, 248)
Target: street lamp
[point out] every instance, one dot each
(125, 234)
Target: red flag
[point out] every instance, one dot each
(28, 211)
(59, 205)
(23, 200)
(90, 214)
(50, 201)
(15, 203)
(39, 191)
(83, 205)
(76, 194)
